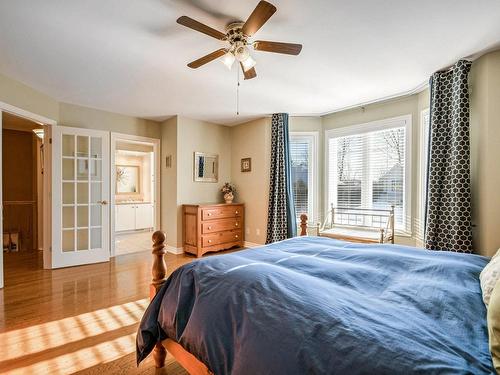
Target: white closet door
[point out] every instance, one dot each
(125, 217)
(144, 216)
(80, 186)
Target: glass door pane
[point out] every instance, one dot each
(79, 160)
(95, 188)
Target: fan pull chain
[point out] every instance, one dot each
(238, 92)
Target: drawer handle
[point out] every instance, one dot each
(209, 228)
(209, 214)
(236, 236)
(209, 241)
(236, 224)
(236, 212)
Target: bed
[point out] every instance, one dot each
(315, 305)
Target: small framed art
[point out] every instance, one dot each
(246, 164)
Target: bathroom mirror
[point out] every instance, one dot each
(206, 167)
(127, 179)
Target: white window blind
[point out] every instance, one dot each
(302, 163)
(368, 170)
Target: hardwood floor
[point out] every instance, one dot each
(76, 320)
(134, 242)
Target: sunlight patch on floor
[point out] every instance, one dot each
(80, 359)
(43, 345)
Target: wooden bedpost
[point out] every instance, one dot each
(303, 225)
(159, 272)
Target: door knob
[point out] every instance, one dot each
(103, 202)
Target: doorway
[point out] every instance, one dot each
(22, 192)
(135, 191)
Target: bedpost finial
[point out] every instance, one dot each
(159, 238)
(159, 271)
(303, 224)
(159, 268)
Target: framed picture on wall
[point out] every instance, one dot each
(246, 164)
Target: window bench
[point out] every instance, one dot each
(359, 225)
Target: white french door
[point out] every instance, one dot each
(80, 196)
(1, 200)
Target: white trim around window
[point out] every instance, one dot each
(313, 185)
(424, 155)
(373, 126)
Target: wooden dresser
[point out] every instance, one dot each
(212, 227)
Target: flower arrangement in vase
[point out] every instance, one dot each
(228, 190)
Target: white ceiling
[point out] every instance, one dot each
(130, 56)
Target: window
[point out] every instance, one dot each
(368, 167)
(303, 162)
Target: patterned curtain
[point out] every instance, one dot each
(281, 221)
(448, 219)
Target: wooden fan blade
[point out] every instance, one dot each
(250, 73)
(202, 28)
(277, 47)
(207, 58)
(262, 12)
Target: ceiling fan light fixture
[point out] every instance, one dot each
(248, 63)
(228, 60)
(241, 52)
(236, 38)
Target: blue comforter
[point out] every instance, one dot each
(314, 305)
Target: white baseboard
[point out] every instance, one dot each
(251, 244)
(175, 250)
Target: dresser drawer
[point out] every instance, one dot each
(220, 225)
(212, 227)
(221, 212)
(221, 237)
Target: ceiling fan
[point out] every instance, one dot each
(237, 34)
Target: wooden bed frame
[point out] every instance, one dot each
(159, 271)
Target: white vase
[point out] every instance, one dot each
(228, 197)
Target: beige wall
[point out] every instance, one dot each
(199, 136)
(485, 152)
(252, 140)
(19, 95)
(89, 118)
(181, 138)
(169, 180)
